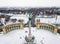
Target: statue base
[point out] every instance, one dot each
(29, 41)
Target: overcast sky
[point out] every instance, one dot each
(29, 3)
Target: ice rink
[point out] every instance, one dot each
(41, 36)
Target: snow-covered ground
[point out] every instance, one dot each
(18, 36)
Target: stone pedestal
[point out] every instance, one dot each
(29, 41)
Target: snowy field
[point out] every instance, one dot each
(18, 36)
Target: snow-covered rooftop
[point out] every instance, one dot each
(20, 17)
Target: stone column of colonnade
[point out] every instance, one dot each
(21, 25)
(10, 27)
(38, 25)
(55, 30)
(4, 29)
(47, 27)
